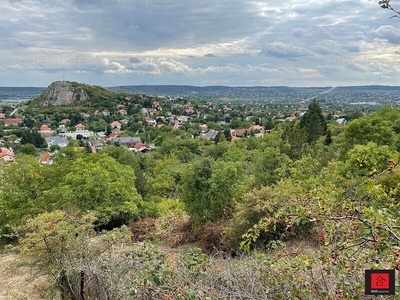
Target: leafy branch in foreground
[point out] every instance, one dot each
(385, 4)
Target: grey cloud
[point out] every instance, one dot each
(134, 60)
(281, 50)
(388, 32)
(352, 48)
(130, 40)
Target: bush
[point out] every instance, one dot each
(175, 229)
(210, 237)
(142, 229)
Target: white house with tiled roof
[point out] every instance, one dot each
(7, 154)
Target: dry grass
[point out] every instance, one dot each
(18, 282)
(259, 276)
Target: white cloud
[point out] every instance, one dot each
(233, 42)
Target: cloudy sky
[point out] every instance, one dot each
(199, 42)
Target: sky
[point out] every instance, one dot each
(199, 42)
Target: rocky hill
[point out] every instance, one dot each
(63, 93)
(68, 95)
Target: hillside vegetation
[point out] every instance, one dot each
(251, 206)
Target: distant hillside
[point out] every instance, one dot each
(19, 94)
(270, 94)
(73, 94)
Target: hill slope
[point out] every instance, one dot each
(66, 94)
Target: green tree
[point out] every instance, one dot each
(28, 149)
(22, 193)
(225, 188)
(313, 122)
(367, 129)
(269, 166)
(164, 179)
(34, 138)
(98, 183)
(196, 189)
(296, 137)
(366, 160)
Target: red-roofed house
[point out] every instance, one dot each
(150, 121)
(2, 116)
(7, 154)
(140, 147)
(238, 132)
(46, 159)
(45, 128)
(8, 122)
(80, 127)
(203, 127)
(116, 125)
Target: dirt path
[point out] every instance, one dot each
(18, 282)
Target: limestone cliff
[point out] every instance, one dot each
(63, 93)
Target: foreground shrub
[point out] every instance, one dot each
(267, 215)
(174, 229)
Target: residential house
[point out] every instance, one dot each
(2, 116)
(45, 129)
(221, 123)
(61, 130)
(211, 134)
(203, 127)
(46, 159)
(97, 144)
(139, 147)
(85, 116)
(189, 110)
(80, 127)
(56, 140)
(105, 112)
(291, 118)
(341, 121)
(182, 119)
(238, 132)
(257, 130)
(79, 131)
(126, 140)
(116, 125)
(176, 125)
(8, 122)
(150, 121)
(7, 154)
(122, 112)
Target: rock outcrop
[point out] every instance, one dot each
(63, 93)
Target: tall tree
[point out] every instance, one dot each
(313, 122)
(34, 138)
(196, 189)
